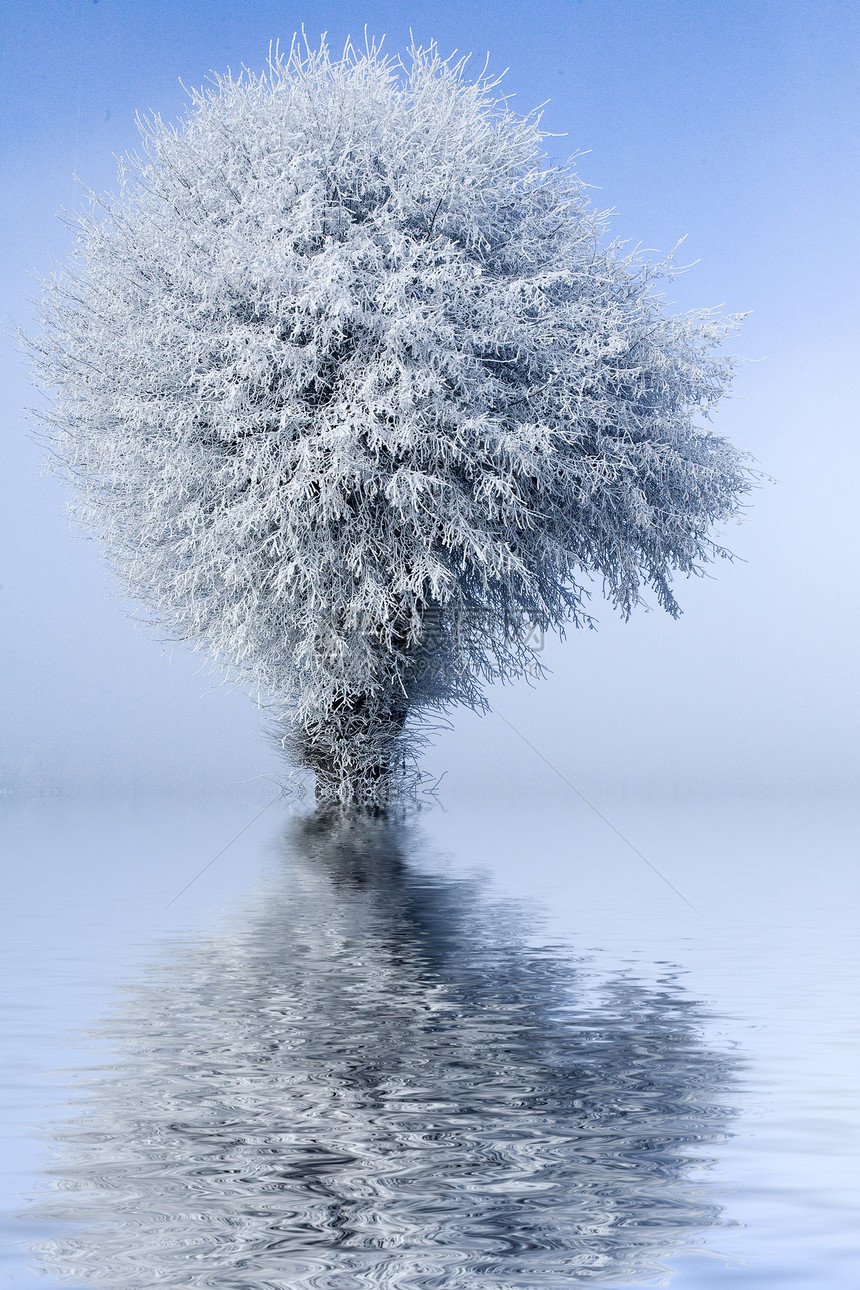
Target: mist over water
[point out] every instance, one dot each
(375, 1075)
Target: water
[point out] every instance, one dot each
(496, 1051)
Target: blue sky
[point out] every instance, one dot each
(732, 124)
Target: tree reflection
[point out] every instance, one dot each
(373, 1080)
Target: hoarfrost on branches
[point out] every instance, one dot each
(357, 394)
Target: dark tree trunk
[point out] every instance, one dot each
(355, 756)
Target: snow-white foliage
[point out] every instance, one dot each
(354, 391)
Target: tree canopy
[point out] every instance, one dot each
(355, 390)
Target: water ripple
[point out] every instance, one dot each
(373, 1080)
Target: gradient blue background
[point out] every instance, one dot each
(732, 123)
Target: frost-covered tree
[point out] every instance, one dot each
(356, 392)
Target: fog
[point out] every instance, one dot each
(731, 127)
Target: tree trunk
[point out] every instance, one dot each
(354, 753)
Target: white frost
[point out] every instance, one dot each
(355, 392)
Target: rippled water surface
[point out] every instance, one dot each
(493, 1052)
